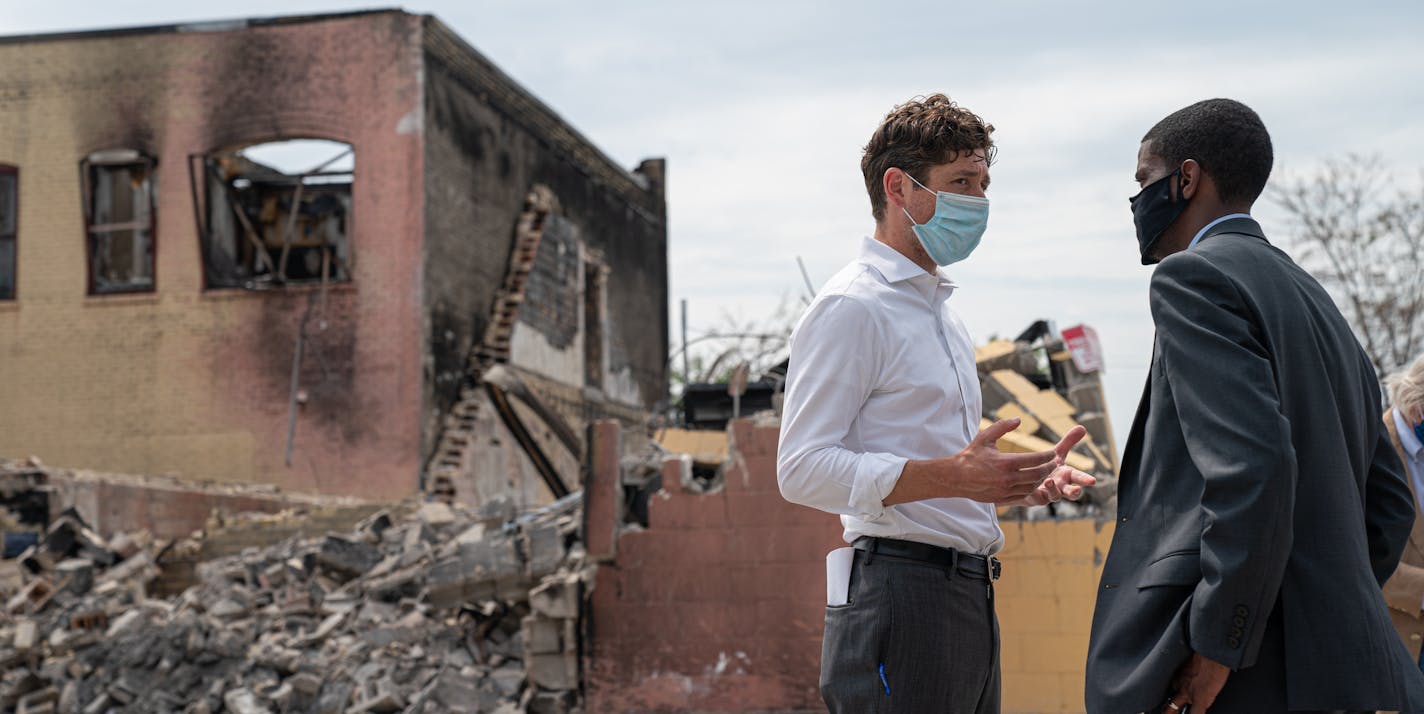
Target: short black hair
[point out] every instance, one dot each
(1223, 135)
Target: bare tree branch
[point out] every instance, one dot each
(1366, 246)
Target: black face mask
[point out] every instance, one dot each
(1154, 211)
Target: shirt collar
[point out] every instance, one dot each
(1207, 227)
(1407, 439)
(895, 267)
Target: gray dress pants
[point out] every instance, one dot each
(912, 638)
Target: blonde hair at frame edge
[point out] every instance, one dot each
(1406, 391)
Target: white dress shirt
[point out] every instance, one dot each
(882, 371)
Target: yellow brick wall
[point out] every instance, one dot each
(1045, 606)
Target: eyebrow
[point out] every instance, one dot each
(971, 173)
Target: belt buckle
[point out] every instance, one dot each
(995, 568)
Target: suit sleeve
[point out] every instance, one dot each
(1224, 390)
(1389, 516)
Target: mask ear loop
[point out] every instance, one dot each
(917, 183)
(906, 210)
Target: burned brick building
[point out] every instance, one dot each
(340, 253)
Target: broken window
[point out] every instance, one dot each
(277, 213)
(118, 213)
(9, 205)
(593, 282)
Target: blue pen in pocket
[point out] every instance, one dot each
(883, 680)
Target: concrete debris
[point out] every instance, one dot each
(422, 609)
(1047, 383)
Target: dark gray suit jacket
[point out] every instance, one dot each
(1257, 475)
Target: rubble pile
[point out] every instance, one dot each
(437, 609)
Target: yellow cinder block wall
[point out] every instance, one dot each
(1045, 605)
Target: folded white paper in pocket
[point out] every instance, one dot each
(838, 565)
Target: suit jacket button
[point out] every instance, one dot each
(1235, 643)
(1239, 621)
(1124, 519)
(1241, 610)
(1235, 632)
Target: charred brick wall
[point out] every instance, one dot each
(486, 144)
(719, 604)
(553, 297)
(189, 380)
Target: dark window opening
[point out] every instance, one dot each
(118, 213)
(275, 214)
(9, 206)
(593, 279)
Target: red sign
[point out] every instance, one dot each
(1084, 346)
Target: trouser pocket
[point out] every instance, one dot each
(853, 644)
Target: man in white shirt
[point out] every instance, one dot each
(1404, 591)
(881, 426)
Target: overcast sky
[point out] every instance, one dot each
(761, 109)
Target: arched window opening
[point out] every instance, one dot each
(275, 213)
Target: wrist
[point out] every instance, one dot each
(919, 481)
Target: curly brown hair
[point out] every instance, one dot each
(919, 134)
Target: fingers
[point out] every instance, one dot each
(1069, 441)
(992, 433)
(1045, 494)
(1028, 461)
(1070, 482)
(1051, 489)
(1037, 497)
(1034, 477)
(1030, 487)
(1025, 487)
(1202, 696)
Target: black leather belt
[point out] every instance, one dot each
(977, 566)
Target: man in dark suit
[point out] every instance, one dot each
(1260, 502)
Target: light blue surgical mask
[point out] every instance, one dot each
(953, 232)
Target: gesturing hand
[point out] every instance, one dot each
(1065, 481)
(983, 473)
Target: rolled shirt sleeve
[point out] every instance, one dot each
(834, 365)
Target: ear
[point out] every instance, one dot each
(1192, 176)
(893, 181)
